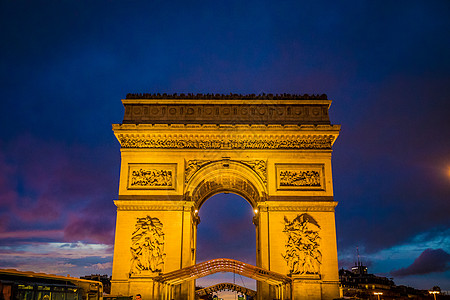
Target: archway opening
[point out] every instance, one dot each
(226, 230)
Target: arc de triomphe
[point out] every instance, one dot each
(179, 150)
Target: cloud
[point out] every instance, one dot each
(55, 187)
(429, 261)
(56, 250)
(45, 267)
(87, 228)
(21, 234)
(100, 266)
(386, 164)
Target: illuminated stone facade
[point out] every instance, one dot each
(179, 151)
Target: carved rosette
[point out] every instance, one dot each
(302, 246)
(147, 247)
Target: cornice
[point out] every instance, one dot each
(230, 96)
(303, 206)
(128, 205)
(226, 127)
(181, 136)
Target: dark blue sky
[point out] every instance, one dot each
(65, 65)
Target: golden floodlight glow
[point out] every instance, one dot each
(196, 211)
(256, 211)
(434, 293)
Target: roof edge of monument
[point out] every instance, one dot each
(230, 96)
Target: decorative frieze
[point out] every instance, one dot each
(302, 247)
(322, 142)
(236, 111)
(147, 247)
(300, 177)
(152, 176)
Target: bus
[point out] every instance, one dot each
(17, 285)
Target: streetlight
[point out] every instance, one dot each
(434, 293)
(378, 294)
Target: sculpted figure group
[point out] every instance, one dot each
(147, 246)
(302, 254)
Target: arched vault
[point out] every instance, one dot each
(245, 178)
(222, 265)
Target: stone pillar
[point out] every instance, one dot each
(262, 259)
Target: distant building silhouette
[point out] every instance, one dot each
(105, 279)
(359, 284)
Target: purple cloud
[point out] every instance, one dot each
(429, 261)
(95, 223)
(54, 187)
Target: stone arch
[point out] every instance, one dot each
(245, 178)
(179, 150)
(226, 286)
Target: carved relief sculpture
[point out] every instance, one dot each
(259, 166)
(193, 166)
(309, 142)
(309, 178)
(302, 246)
(147, 246)
(151, 177)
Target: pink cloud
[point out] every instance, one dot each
(32, 234)
(89, 227)
(54, 179)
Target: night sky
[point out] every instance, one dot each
(65, 66)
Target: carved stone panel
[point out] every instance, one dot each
(147, 247)
(300, 176)
(259, 166)
(152, 176)
(192, 166)
(302, 247)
